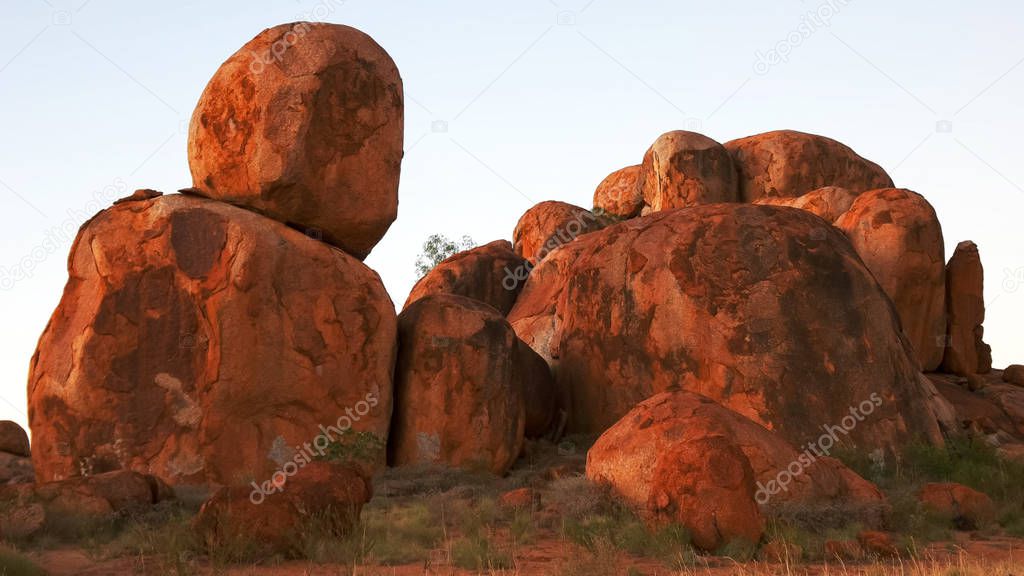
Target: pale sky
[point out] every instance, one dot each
(511, 103)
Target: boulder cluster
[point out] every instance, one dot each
(723, 320)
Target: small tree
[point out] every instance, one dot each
(437, 248)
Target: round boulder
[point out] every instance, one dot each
(626, 457)
(767, 310)
(897, 234)
(790, 164)
(13, 438)
(549, 225)
(619, 194)
(684, 169)
(492, 273)
(305, 124)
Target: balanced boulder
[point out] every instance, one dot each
(684, 169)
(549, 225)
(965, 352)
(305, 124)
(493, 274)
(459, 386)
(898, 235)
(829, 202)
(767, 310)
(201, 342)
(790, 164)
(619, 194)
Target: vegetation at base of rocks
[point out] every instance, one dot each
(13, 563)
(354, 448)
(967, 461)
(437, 248)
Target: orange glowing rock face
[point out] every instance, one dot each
(305, 124)
(619, 194)
(201, 342)
(788, 163)
(768, 310)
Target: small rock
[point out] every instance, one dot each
(1014, 374)
(13, 439)
(140, 195)
(16, 469)
(877, 543)
(520, 499)
(975, 382)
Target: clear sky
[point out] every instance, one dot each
(511, 103)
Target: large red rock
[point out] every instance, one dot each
(790, 164)
(492, 274)
(964, 506)
(13, 439)
(619, 194)
(767, 310)
(898, 235)
(549, 225)
(305, 124)
(201, 342)
(706, 485)
(628, 455)
(459, 386)
(324, 497)
(829, 202)
(965, 352)
(684, 169)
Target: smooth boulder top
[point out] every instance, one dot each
(305, 124)
(788, 163)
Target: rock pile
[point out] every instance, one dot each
(721, 306)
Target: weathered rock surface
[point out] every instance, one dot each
(685, 169)
(629, 454)
(305, 124)
(767, 310)
(898, 235)
(27, 508)
(322, 496)
(492, 274)
(706, 485)
(200, 342)
(549, 225)
(966, 352)
(459, 386)
(790, 164)
(13, 439)
(829, 202)
(619, 193)
(965, 507)
(16, 469)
